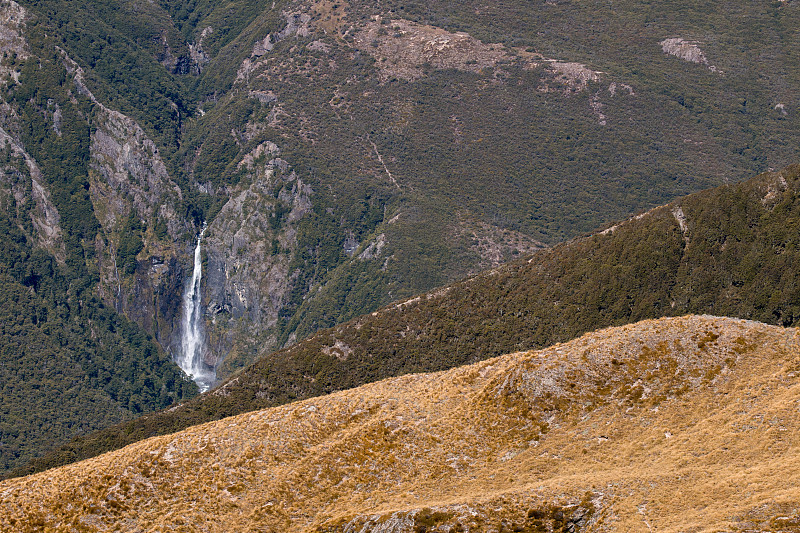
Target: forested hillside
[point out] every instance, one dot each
(479, 131)
(343, 155)
(68, 363)
(732, 251)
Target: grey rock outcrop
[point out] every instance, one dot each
(249, 248)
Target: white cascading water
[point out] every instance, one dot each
(191, 358)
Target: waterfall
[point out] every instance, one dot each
(191, 358)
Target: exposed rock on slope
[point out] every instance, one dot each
(496, 245)
(405, 50)
(129, 179)
(687, 50)
(666, 425)
(249, 247)
(31, 194)
(12, 17)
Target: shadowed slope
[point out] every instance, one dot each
(674, 424)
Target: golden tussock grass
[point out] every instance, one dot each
(684, 424)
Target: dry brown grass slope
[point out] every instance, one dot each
(677, 424)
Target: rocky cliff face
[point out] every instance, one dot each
(22, 180)
(249, 248)
(129, 179)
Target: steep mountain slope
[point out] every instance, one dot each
(386, 148)
(669, 425)
(70, 362)
(732, 251)
(473, 131)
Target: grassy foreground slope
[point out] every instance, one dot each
(733, 250)
(678, 424)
